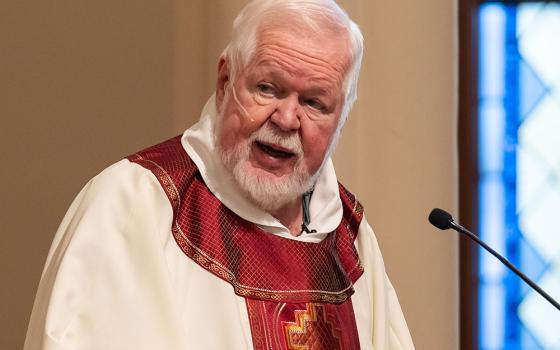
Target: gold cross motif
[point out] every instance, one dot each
(313, 329)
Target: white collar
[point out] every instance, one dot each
(325, 207)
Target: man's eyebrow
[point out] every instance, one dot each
(272, 70)
(317, 86)
(320, 90)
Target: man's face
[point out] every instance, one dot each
(279, 121)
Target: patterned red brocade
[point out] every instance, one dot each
(308, 307)
(309, 326)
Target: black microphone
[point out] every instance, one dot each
(443, 220)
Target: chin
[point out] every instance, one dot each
(266, 175)
(269, 191)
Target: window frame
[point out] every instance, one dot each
(468, 164)
(468, 170)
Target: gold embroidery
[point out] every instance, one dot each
(312, 330)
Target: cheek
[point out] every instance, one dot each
(316, 143)
(232, 128)
(238, 126)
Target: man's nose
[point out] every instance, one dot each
(286, 114)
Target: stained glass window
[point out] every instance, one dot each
(519, 164)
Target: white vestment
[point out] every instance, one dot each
(116, 279)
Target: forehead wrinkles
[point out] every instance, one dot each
(300, 59)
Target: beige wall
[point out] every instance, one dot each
(83, 84)
(399, 155)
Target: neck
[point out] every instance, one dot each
(291, 216)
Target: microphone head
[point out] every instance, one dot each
(440, 219)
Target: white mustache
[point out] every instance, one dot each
(270, 135)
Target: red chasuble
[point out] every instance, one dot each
(297, 293)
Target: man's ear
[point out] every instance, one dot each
(222, 80)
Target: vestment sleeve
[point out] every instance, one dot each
(106, 284)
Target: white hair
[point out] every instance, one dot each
(311, 15)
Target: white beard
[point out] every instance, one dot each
(266, 190)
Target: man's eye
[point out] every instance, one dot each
(314, 104)
(266, 89)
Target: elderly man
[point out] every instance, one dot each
(235, 235)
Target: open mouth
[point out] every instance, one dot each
(274, 151)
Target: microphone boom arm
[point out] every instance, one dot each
(505, 261)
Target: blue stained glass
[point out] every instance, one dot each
(491, 188)
(532, 89)
(534, 264)
(519, 165)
